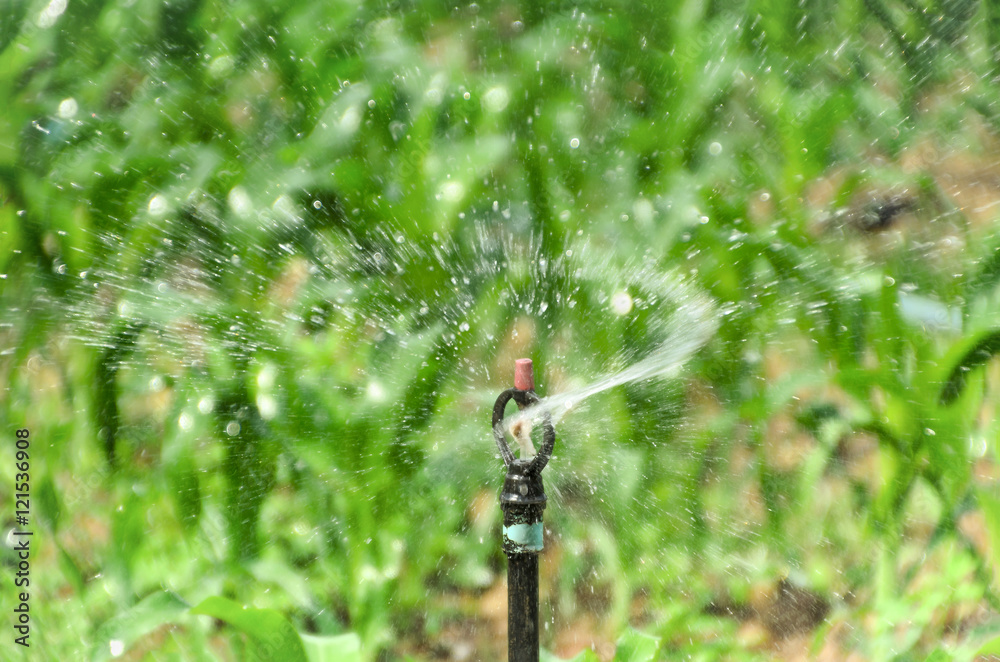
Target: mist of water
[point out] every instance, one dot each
(690, 325)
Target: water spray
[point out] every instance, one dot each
(522, 501)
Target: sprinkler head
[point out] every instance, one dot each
(524, 395)
(524, 375)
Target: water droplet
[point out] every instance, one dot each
(433, 96)
(267, 406)
(574, 143)
(67, 108)
(47, 18)
(452, 191)
(239, 201)
(643, 211)
(375, 391)
(621, 302)
(157, 205)
(350, 121)
(496, 99)
(977, 445)
(221, 66)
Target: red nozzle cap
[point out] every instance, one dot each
(524, 375)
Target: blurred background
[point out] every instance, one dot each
(264, 268)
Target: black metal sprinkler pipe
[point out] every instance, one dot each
(522, 502)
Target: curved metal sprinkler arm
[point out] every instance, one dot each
(523, 399)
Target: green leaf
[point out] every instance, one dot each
(987, 277)
(182, 476)
(71, 570)
(120, 632)
(973, 353)
(277, 572)
(269, 634)
(635, 646)
(49, 505)
(339, 648)
(990, 505)
(990, 648)
(338, 125)
(128, 531)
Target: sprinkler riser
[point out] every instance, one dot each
(522, 501)
(522, 607)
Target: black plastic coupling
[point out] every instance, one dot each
(522, 501)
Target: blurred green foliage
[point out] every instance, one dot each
(265, 266)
